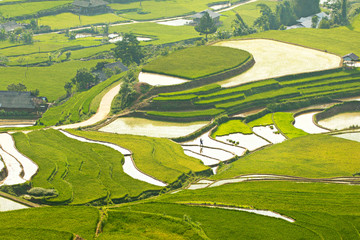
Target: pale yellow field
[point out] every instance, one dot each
(274, 59)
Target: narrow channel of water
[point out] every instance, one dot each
(9, 205)
(341, 121)
(129, 166)
(151, 128)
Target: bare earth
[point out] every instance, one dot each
(274, 59)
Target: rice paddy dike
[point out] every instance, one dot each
(298, 185)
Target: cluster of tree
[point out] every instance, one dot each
(128, 50)
(22, 88)
(206, 25)
(18, 35)
(127, 93)
(83, 80)
(39, 29)
(339, 13)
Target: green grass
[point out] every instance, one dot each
(70, 20)
(176, 98)
(263, 121)
(189, 114)
(227, 224)
(74, 163)
(198, 62)
(159, 33)
(232, 126)
(49, 80)
(139, 225)
(79, 106)
(161, 9)
(158, 157)
(198, 91)
(49, 223)
(20, 9)
(313, 156)
(284, 122)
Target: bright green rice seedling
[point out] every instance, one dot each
(197, 62)
(232, 126)
(158, 157)
(66, 164)
(284, 122)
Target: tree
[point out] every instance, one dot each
(344, 12)
(267, 20)
(3, 35)
(68, 55)
(105, 29)
(324, 23)
(240, 28)
(84, 79)
(304, 8)
(35, 92)
(314, 21)
(68, 88)
(27, 37)
(128, 50)
(16, 87)
(285, 14)
(206, 25)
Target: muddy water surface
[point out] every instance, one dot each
(341, 121)
(160, 80)
(150, 128)
(305, 123)
(9, 205)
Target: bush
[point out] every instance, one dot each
(40, 192)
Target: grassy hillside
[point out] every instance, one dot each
(314, 156)
(49, 223)
(197, 62)
(158, 157)
(73, 163)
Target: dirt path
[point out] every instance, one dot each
(102, 113)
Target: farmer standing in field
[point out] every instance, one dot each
(201, 142)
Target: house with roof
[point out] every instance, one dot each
(10, 26)
(17, 101)
(113, 66)
(90, 7)
(214, 15)
(350, 57)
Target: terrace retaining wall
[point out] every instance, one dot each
(353, 106)
(205, 80)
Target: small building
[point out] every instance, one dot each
(214, 15)
(113, 66)
(350, 57)
(90, 7)
(10, 26)
(17, 101)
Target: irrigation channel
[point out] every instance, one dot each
(129, 166)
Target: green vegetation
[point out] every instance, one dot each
(314, 156)
(189, 114)
(73, 163)
(70, 20)
(227, 224)
(263, 121)
(273, 95)
(20, 9)
(198, 62)
(232, 126)
(139, 225)
(158, 157)
(49, 80)
(49, 223)
(78, 107)
(284, 122)
(198, 91)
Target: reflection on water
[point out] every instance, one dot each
(8, 205)
(305, 123)
(249, 141)
(145, 127)
(350, 136)
(341, 121)
(159, 80)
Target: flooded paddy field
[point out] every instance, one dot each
(151, 128)
(341, 121)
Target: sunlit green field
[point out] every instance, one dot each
(70, 20)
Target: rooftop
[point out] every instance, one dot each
(211, 14)
(89, 3)
(21, 100)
